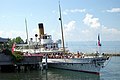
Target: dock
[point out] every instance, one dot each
(29, 62)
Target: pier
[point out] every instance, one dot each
(29, 62)
(11, 61)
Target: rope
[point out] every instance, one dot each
(108, 62)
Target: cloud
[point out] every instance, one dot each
(85, 31)
(75, 33)
(111, 33)
(70, 26)
(3, 16)
(74, 11)
(15, 33)
(1, 33)
(12, 34)
(107, 34)
(69, 29)
(91, 21)
(114, 10)
(110, 30)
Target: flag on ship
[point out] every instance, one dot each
(99, 44)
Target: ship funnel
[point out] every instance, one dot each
(41, 29)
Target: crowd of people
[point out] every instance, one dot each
(66, 55)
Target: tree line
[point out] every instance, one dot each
(17, 40)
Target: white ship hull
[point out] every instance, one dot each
(90, 65)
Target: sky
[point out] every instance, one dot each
(83, 20)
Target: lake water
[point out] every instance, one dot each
(111, 71)
(91, 46)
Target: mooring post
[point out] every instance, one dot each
(46, 60)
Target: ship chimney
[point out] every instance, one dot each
(41, 29)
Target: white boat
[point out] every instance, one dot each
(90, 65)
(77, 62)
(56, 58)
(61, 58)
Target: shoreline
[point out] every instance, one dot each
(105, 54)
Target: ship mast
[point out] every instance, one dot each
(26, 29)
(61, 28)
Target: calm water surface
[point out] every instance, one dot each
(91, 46)
(110, 72)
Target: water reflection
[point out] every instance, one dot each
(56, 74)
(29, 75)
(51, 74)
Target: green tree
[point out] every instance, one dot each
(16, 40)
(19, 40)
